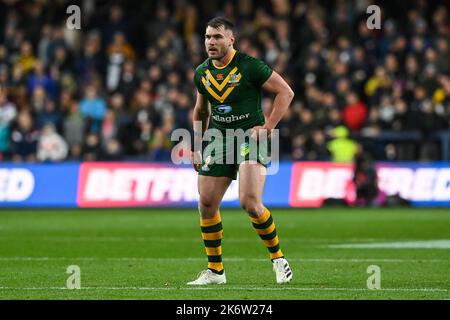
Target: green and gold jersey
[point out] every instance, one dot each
(234, 90)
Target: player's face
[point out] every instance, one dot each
(218, 42)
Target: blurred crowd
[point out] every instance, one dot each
(118, 87)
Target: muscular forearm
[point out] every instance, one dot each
(281, 104)
(200, 125)
(201, 116)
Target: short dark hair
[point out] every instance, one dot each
(221, 22)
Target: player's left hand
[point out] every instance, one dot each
(261, 133)
(196, 159)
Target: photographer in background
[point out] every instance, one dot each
(365, 179)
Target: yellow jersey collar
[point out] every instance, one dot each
(231, 59)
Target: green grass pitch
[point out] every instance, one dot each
(152, 253)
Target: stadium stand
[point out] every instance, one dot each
(116, 89)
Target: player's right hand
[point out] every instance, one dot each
(196, 159)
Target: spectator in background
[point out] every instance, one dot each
(159, 24)
(57, 40)
(443, 52)
(286, 126)
(90, 64)
(318, 147)
(91, 150)
(430, 121)
(299, 152)
(65, 102)
(44, 42)
(38, 99)
(40, 79)
(151, 130)
(51, 146)
(118, 52)
(109, 128)
(377, 84)
(61, 60)
(365, 179)
(26, 59)
(129, 81)
(141, 137)
(8, 111)
(14, 37)
(403, 118)
(73, 129)
(4, 142)
(354, 113)
(112, 151)
(123, 121)
(183, 106)
(307, 123)
(8, 114)
(93, 109)
(116, 22)
(145, 110)
(17, 81)
(341, 147)
(151, 58)
(386, 112)
(160, 148)
(334, 119)
(4, 75)
(24, 138)
(34, 22)
(49, 115)
(4, 57)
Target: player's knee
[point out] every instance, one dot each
(207, 207)
(251, 205)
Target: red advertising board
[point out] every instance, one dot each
(134, 184)
(313, 182)
(140, 185)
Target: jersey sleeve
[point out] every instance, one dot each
(259, 71)
(198, 81)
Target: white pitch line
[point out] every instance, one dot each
(229, 259)
(181, 239)
(426, 244)
(220, 288)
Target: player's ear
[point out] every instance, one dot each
(231, 41)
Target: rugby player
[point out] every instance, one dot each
(229, 85)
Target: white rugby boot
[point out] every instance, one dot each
(282, 270)
(208, 277)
